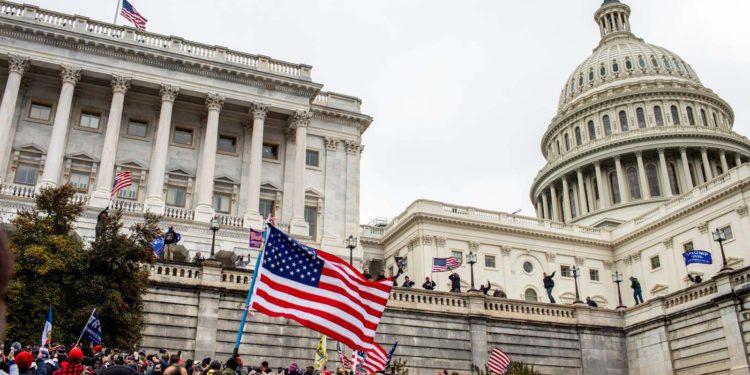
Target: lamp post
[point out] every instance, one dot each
(617, 278)
(576, 273)
(472, 259)
(214, 229)
(351, 243)
(720, 237)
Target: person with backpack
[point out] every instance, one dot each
(637, 291)
(549, 284)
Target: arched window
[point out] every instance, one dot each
(591, 74)
(658, 117)
(567, 142)
(633, 186)
(672, 172)
(603, 70)
(703, 117)
(623, 121)
(666, 62)
(557, 143)
(592, 130)
(628, 64)
(615, 66)
(652, 176)
(530, 295)
(677, 65)
(675, 115)
(716, 123)
(654, 62)
(615, 185)
(641, 117)
(571, 199)
(580, 80)
(641, 62)
(579, 137)
(573, 85)
(607, 125)
(691, 117)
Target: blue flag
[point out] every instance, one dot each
(158, 245)
(390, 354)
(93, 329)
(697, 256)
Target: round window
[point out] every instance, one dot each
(528, 267)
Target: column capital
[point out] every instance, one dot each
(169, 92)
(617, 158)
(704, 149)
(70, 74)
(301, 119)
(260, 111)
(639, 154)
(331, 143)
(352, 147)
(215, 101)
(18, 64)
(120, 83)
(683, 149)
(660, 150)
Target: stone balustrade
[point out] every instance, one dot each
(127, 205)
(230, 221)
(179, 213)
(20, 191)
(369, 231)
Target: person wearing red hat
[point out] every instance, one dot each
(75, 356)
(24, 361)
(97, 348)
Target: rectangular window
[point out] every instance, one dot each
(458, 255)
(39, 111)
(655, 262)
(137, 129)
(90, 120)
(728, 232)
(183, 136)
(566, 271)
(489, 261)
(312, 158)
(26, 174)
(593, 274)
(311, 217)
(265, 207)
(222, 203)
(176, 196)
(130, 192)
(688, 246)
(79, 181)
(270, 151)
(390, 271)
(227, 144)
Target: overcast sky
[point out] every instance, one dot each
(461, 91)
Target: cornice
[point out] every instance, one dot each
(361, 121)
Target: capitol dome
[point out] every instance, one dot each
(634, 127)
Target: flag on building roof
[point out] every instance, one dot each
(122, 180)
(132, 15)
(319, 291)
(345, 361)
(499, 362)
(375, 359)
(47, 331)
(445, 264)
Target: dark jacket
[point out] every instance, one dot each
(635, 284)
(548, 282)
(486, 289)
(429, 285)
(455, 281)
(408, 284)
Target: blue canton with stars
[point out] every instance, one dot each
(287, 258)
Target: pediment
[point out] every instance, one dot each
(31, 148)
(735, 262)
(131, 164)
(226, 180)
(313, 193)
(659, 289)
(269, 186)
(180, 172)
(83, 156)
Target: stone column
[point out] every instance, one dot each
(539, 209)
(645, 191)
(155, 189)
(666, 186)
(706, 165)
(621, 182)
(603, 200)
(686, 168)
(209, 298)
(583, 206)
(298, 225)
(545, 205)
(204, 211)
(56, 151)
(17, 66)
(724, 164)
(700, 175)
(737, 160)
(553, 196)
(566, 200)
(477, 328)
(252, 215)
(101, 196)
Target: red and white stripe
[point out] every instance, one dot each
(122, 180)
(376, 359)
(345, 306)
(131, 14)
(499, 362)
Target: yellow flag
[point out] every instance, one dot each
(321, 354)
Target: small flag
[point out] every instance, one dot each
(158, 245)
(358, 359)
(93, 329)
(445, 264)
(321, 354)
(390, 354)
(132, 15)
(499, 362)
(697, 256)
(256, 238)
(122, 180)
(375, 359)
(47, 331)
(345, 362)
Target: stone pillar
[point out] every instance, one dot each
(545, 205)
(204, 211)
(666, 186)
(252, 215)
(477, 329)
(583, 206)
(724, 164)
(700, 177)
(298, 225)
(737, 160)
(621, 182)
(566, 199)
(56, 151)
(539, 212)
(155, 189)
(553, 196)
(603, 200)
(686, 168)
(208, 310)
(101, 196)
(706, 165)
(17, 66)
(645, 191)
(731, 326)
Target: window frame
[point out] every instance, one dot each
(592, 130)
(139, 121)
(316, 151)
(184, 196)
(731, 232)
(460, 256)
(18, 167)
(236, 138)
(91, 112)
(278, 152)
(222, 195)
(494, 261)
(651, 262)
(634, 184)
(593, 271)
(173, 132)
(87, 176)
(675, 112)
(607, 125)
(640, 118)
(658, 115)
(688, 246)
(47, 103)
(564, 274)
(312, 226)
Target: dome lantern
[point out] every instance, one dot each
(613, 18)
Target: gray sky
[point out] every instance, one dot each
(461, 91)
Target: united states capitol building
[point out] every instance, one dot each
(642, 165)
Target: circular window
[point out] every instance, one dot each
(528, 267)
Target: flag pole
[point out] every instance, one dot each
(249, 298)
(84, 328)
(117, 11)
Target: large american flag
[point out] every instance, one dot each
(499, 362)
(122, 180)
(375, 359)
(132, 15)
(319, 291)
(445, 264)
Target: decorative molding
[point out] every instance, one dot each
(260, 111)
(505, 250)
(667, 242)
(352, 147)
(703, 227)
(70, 74)
(291, 135)
(741, 210)
(580, 261)
(17, 64)
(120, 84)
(608, 265)
(427, 240)
(637, 256)
(627, 260)
(473, 246)
(301, 119)
(440, 241)
(215, 101)
(169, 92)
(550, 256)
(331, 143)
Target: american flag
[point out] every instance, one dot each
(375, 359)
(358, 359)
(345, 362)
(445, 264)
(132, 15)
(122, 180)
(499, 362)
(319, 291)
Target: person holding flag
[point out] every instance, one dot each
(47, 330)
(92, 331)
(696, 257)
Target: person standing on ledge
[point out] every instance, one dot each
(407, 283)
(455, 283)
(428, 284)
(637, 292)
(549, 284)
(485, 289)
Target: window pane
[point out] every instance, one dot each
(592, 131)
(489, 261)
(623, 121)
(655, 262)
(26, 175)
(728, 232)
(688, 246)
(675, 115)
(635, 188)
(227, 144)
(704, 118)
(458, 255)
(137, 129)
(530, 295)
(607, 125)
(641, 118)
(89, 120)
(270, 151)
(565, 271)
(312, 158)
(658, 116)
(311, 217)
(579, 138)
(221, 203)
(691, 116)
(130, 192)
(615, 187)
(176, 196)
(40, 111)
(653, 180)
(594, 275)
(183, 136)
(80, 182)
(265, 207)
(673, 179)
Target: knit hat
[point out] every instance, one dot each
(97, 348)
(45, 353)
(24, 359)
(16, 347)
(76, 354)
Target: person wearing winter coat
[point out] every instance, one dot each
(637, 291)
(455, 283)
(428, 284)
(549, 284)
